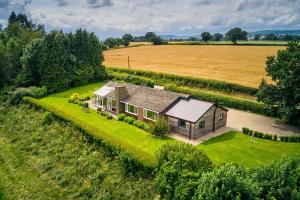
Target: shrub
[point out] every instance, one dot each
(104, 114)
(73, 98)
(179, 168)
(275, 137)
(16, 96)
(99, 110)
(129, 165)
(159, 127)
(121, 117)
(47, 117)
(109, 117)
(258, 134)
(129, 120)
(267, 136)
(85, 105)
(246, 130)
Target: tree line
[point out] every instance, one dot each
(57, 60)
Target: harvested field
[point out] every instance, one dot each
(243, 65)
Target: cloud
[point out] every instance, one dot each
(4, 3)
(61, 3)
(99, 3)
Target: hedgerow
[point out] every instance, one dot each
(221, 100)
(266, 136)
(110, 145)
(188, 81)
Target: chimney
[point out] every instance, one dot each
(120, 93)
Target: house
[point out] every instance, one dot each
(187, 116)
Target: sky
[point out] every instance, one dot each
(179, 17)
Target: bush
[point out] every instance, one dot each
(73, 98)
(121, 117)
(109, 117)
(129, 165)
(104, 114)
(47, 118)
(159, 127)
(267, 136)
(16, 96)
(129, 120)
(275, 137)
(99, 110)
(258, 134)
(179, 168)
(246, 131)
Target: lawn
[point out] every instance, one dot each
(230, 147)
(237, 147)
(142, 144)
(244, 65)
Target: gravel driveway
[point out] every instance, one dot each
(238, 119)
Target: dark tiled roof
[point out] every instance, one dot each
(145, 97)
(189, 109)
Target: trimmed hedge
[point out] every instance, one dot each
(261, 135)
(188, 81)
(109, 144)
(221, 100)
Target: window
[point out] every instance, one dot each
(100, 101)
(221, 116)
(149, 114)
(131, 108)
(202, 124)
(181, 123)
(112, 105)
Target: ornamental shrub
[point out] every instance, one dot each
(267, 136)
(275, 137)
(121, 117)
(139, 124)
(246, 130)
(109, 117)
(159, 127)
(129, 120)
(74, 97)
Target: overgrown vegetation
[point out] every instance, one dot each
(55, 160)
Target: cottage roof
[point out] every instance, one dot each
(189, 109)
(154, 99)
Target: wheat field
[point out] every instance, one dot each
(243, 65)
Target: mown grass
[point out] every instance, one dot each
(236, 147)
(139, 143)
(56, 161)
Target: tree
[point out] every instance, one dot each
(179, 168)
(156, 40)
(149, 36)
(257, 37)
(4, 66)
(285, 91)
(127, 38)
(119, 42)
(110, 42)
(227, 182)
(279, 179)
(270, 36)
(12, 18)
(218, 36)
(206, 36)
(236, 34)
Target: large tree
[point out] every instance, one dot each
(127, 38)
(149, 36)
(206, 36)
(284, 91)
(218, 36)
(236, 34)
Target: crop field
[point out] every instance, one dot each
(244, 65)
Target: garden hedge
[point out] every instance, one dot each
(110, 145)
(222, 100)
(261, 135)
(188, 81)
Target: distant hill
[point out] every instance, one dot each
(275, 32)
(168, 37)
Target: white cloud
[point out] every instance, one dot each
(115, 17)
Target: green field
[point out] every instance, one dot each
(231, 147)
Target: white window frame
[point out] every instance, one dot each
(100, 99)
(221, 116)
(126, 109)
(110, 107)
(145, 110)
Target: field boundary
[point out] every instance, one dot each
(109, 144)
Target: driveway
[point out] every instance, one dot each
(238, 119)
